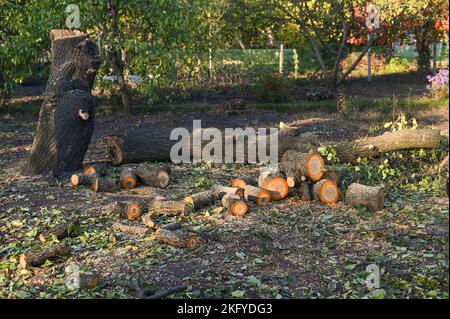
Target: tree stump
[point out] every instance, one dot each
(372, 197)
(66, 119)
(327, 191)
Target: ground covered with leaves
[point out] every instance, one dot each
(291, 249)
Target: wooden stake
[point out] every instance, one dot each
(372, 197)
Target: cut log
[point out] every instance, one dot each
(153, 145)
(241, 182)
(103, 184)
(160, 206)
(60, 231)
(130, 210)
(128, 179)
(155, 177)
(277, 187)
(220, 191)
(235, 205)
(294, 163)
(304, 191)
(129, 229)
(98, 168)
(176, 239)
(257, 195)
(37, 257)
(200, 200)
(293, 181)
(81, 179)
(348, 152)
(147, 220)
(66, 118)
(327, 191)
(372, 197)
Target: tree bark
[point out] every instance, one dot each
(38, 256)
(147, 144)
(370, 147)
(66, 119)
(327, 191)
(372, 197)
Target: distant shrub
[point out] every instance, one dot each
(397, 65)
(273, 87)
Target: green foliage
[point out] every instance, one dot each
(397, 65)
(273, 87)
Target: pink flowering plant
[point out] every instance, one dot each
(438, 84)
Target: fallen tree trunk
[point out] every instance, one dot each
(38, 257)
(348, 152)
(147, 144)
(372, 197)
(130, 229)
(66, 119)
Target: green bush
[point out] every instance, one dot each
(397, 65)
(273, 87)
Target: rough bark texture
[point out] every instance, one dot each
(176, 239)
(155, 177)
(147, 144)
(38, 257)
(103, 184)
(200, 200)
(66, 119)
(304, 191)
(60, 231)
(160, 206)
(388, 142)
(129, 229)
(372, 197)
